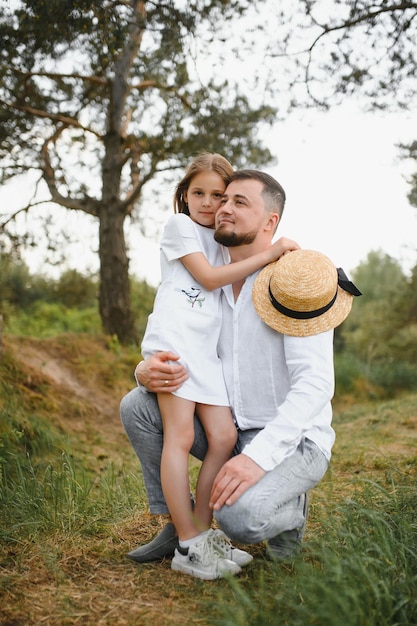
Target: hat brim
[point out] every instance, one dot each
(296, 327)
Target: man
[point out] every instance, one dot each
(280, 388)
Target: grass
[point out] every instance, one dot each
(360, 570)
(72, 504)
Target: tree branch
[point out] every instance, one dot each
(56, 117)
(146, 84)
(364, 17)
(97, 80)
(24, 209)
(86, 204)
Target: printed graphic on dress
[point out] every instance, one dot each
(193, 296)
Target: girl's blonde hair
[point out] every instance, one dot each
(204, 162)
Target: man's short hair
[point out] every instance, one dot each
(272, 192)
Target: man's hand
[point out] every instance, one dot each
(159, 374)
(234, 478)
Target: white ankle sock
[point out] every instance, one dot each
(189, 542)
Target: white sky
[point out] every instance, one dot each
(346, 188)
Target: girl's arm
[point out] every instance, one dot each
(214, 277)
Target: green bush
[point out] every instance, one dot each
(348, 369)
(393, 376)
(142, 304)
(48, 319)
(76, 290)
(18, 287)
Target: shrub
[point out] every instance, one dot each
(349, 369)
(47, 319)
(393, 376)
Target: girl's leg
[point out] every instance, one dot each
(142, 422)
(221, 437)
(178, 427)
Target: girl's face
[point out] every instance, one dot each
(203, 196)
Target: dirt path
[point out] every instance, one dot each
(90, 408)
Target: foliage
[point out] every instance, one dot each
(349, 369)
(143, 296)
(352, 47)
(74, 289)
(392, 377)
(48, 319)
(410, 152)
(17, 286)
(33, 305)
(380, 329)
(97, 99)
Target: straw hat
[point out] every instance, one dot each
(303, 294)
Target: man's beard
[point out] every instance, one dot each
(232, 239)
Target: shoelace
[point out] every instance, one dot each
(207, 550)
(221, 541)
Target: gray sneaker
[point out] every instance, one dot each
(287, 545)
(161, 547)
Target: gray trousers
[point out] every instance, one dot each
(265, 510)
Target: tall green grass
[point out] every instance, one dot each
(360, 571)
(62, 496)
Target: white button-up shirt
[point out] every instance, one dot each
(280, 384)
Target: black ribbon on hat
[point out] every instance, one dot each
(342, 281)
(347, 284)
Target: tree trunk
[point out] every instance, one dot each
(115, 308)
(114, 301)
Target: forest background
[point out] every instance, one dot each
(96, 99)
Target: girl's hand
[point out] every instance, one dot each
(281, 247)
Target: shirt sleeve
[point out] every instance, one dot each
(307, 404)
(179, 237)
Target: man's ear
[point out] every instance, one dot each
(272, 222)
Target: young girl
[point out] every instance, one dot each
(186, 320)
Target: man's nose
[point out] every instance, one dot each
(226, 206)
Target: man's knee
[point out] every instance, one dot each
(241, 522)
(126, 409)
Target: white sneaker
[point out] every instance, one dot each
(222, 544)
(203, 561)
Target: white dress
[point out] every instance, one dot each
(186, 318)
